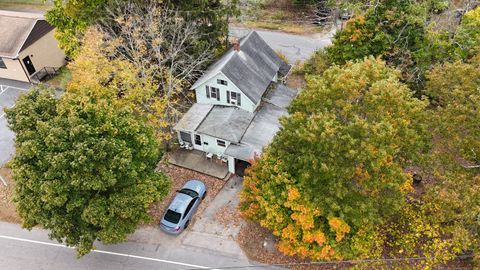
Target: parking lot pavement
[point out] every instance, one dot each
(9, 92)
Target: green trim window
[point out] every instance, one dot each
(234, 98)
(212, 92)
(2, 64)
(221, 143)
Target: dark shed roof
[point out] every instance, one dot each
(40, 29)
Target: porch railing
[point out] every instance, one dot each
(46, 72)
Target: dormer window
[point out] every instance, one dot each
(212, 92)
(222, 82)
(234, 98)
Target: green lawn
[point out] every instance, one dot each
(61, 79)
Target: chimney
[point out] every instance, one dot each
(236, 45)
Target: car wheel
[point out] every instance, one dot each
(204, 195)
(186, 224)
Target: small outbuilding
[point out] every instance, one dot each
(28, 49)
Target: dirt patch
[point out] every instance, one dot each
(7, 207)
(279, 15)
(179, 176)
(296, 81)
(259, 244)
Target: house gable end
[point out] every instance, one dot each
(224, 86)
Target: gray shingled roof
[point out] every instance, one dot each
(251, 69)
(194, 117)
(264, 125)
(15, 29)
(226, 122)
(281, 96)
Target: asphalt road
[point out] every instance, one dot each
(21, 249)
(9, 92)
(294, 47)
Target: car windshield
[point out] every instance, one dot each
(189, 192)
(172, 216)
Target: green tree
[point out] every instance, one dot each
(94, 69)
(72, 18)
(84, 166)
(396, 30)
(466, 42)
(455, 195)
(335, 173)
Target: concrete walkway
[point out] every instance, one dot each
(196, 160)
(208, 233)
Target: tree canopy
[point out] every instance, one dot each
(72, 18)
(455, 195)
(334, 172)
(84, 166)
(336, 181)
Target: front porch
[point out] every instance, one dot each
(197, 161)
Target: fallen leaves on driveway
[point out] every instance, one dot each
(228, 215)
(179, 176)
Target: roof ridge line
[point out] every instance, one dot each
(209, 111)
(17, 54)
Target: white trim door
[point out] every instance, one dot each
(197, 142)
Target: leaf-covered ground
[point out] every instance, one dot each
(179, 176)
(7, 208)
(259, 245)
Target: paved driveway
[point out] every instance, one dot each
(294, 47)
(9, 92)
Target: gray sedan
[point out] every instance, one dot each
(184, 205)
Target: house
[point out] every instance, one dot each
(239, 101)
(28, 49)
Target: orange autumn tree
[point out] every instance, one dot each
(334, 174)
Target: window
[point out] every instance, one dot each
(222, 82)
(2, 64)
(198, 139)
(212, 92)
(234, 98)
(189, 192)
(185, 136)
(172, 216)
(189, 207)
(221, 143)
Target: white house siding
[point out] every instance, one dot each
(14, 70)
(200, 92)
(212, 146)
(44, 53)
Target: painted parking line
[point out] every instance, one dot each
(3, 114)
(4, 88)
(106, 252)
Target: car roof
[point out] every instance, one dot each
(195, 185)
(180, 203)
